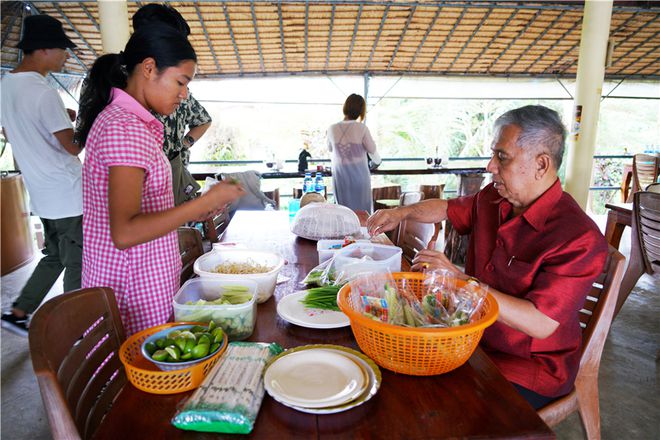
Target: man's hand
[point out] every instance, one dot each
(72, 114)
(428, 259)
(384, 220)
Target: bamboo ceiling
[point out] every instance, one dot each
(241, 38)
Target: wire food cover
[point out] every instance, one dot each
(318, 221)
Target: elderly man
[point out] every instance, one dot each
(531, 243)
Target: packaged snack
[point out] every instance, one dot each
(229, 398)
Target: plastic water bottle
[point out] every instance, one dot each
(308, 183)
(319, 186)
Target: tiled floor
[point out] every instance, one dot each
(629, 399)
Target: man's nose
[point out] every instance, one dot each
(491, 168)
(184, 93)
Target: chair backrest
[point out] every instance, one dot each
(410, 198)
(386, 192)
(654, 187)
(74, 344)
(432, 191)
(413, 236)
(646, 210)
(190, 248)
(645, 170)
(598, 311)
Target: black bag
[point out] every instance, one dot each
(183, 183)
(374, 160)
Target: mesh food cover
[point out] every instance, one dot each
(318, 221)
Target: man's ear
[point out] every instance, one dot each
(543, 164)
(149, 68)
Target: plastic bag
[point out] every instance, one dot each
(229, 398)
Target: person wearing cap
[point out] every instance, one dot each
(39, 128)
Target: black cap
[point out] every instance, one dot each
(43, 32)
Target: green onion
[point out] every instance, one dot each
(321, 298)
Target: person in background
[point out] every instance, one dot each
(39, 128)
(188, 123)
(130, 239)
(531, 243)
(349, 141)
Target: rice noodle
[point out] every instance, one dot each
(247, 267)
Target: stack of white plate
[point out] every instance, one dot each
(321, 379)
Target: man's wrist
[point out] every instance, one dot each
(188, 141)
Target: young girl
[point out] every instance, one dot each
(129, 219)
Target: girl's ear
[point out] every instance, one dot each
(149, 68)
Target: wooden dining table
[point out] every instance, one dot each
(475, 400)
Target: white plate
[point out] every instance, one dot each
(292, 310)
(373, 372)
(315, 379)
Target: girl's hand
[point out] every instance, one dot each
(428, 259)
(223, 193)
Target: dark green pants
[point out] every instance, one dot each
(63, 251)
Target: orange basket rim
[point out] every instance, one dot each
(485, 321)
(150, 331)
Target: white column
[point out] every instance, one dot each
(113, 18)
(589, 87)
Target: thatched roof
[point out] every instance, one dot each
(469, 38)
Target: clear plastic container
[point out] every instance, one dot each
(328, 248)
(205, 266)
(367, 257)
(237, 320)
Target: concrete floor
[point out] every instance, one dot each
(629, 392)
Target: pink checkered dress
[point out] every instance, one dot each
(144, 277)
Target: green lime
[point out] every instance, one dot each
(214, 347)
(160, 342)
(187, 334)
(174, 334)
(190, 343)
(196, 328)
(159, 355)
(186, 356)
(200, 350)
(217, 334)
(205, 339)
(169, 342)
(181, 343)
(150, 347)
(211, 326)
(174, 352)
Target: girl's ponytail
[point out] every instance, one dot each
(106, 73)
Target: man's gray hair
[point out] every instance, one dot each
(541, 128)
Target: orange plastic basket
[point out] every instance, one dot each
(143, 374)
(415, 351)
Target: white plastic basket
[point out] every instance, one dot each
(205, 265)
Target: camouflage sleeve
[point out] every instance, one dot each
(197, 114)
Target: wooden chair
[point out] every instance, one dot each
(413, 236)
(74, 344)
(644, 172)
(645, 242)
(433, 192)
(190, 248)
(595, 320)
(386, 196)
(215, 226)
(274, 195)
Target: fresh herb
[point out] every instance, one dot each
(322, 298)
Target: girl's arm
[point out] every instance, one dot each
(129, 226)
